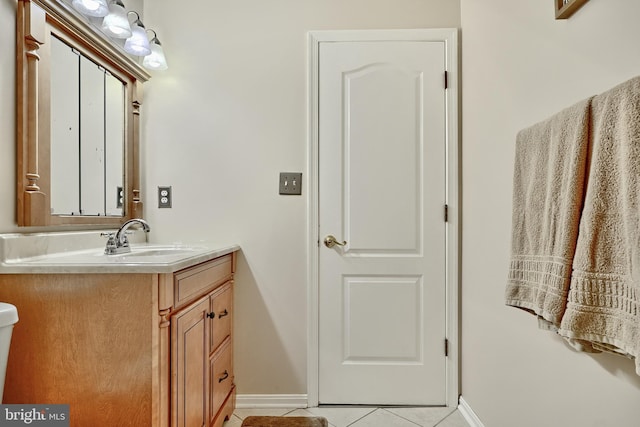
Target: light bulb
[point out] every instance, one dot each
(156, 59)
(98, 8)
(138, 43)
(116, 23)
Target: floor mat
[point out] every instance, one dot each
(255, 421)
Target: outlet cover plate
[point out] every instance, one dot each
(291, 183)
(164, 197)
(119, 197)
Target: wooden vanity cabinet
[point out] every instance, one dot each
(125, 349)
(203, 393)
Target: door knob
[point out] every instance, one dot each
(330, 241)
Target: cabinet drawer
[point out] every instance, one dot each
(194, 282)
(221, 377)
(221, 307)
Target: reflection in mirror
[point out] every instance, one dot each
(65, 139)
(114, 145)
(87, 135)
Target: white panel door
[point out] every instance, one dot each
(382, 158)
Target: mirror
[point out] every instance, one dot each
(87, 135)
(79, 100)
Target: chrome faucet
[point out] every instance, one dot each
(117, 242)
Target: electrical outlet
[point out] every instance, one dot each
(119, 197)
(291, 183)
(164, 197)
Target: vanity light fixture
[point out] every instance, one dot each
(97, 8)
(156, 59)
(138, 43)
(116, 24)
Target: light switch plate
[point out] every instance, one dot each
(164, 197)
(291, 183)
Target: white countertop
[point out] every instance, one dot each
(45, 254)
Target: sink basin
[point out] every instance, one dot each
(148, 251)
(162, 252)
(153, 253)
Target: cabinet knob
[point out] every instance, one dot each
(224, 376)
(211, 315)
(224, 313)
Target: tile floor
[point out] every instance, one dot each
(364, 416)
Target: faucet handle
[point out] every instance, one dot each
(111, 237)
(124, 240)
(111, 243)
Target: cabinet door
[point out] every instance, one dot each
(190, 365)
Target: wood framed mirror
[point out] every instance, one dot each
(78, 113)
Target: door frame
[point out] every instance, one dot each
(450, 37)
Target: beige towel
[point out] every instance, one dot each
(549, 174)
(603, 302)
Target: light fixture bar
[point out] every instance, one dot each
(115, 24)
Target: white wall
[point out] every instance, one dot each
(221, 123)
(520, 66)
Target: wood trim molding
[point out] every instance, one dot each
(566, 8)
(30, 36)
(136, 205)
(80, 28)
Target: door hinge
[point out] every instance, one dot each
(446, 347)
(446, 213)
(446, 80)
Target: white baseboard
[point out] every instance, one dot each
(271, 401)
(468, 414)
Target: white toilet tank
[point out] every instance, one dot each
(8, 317)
